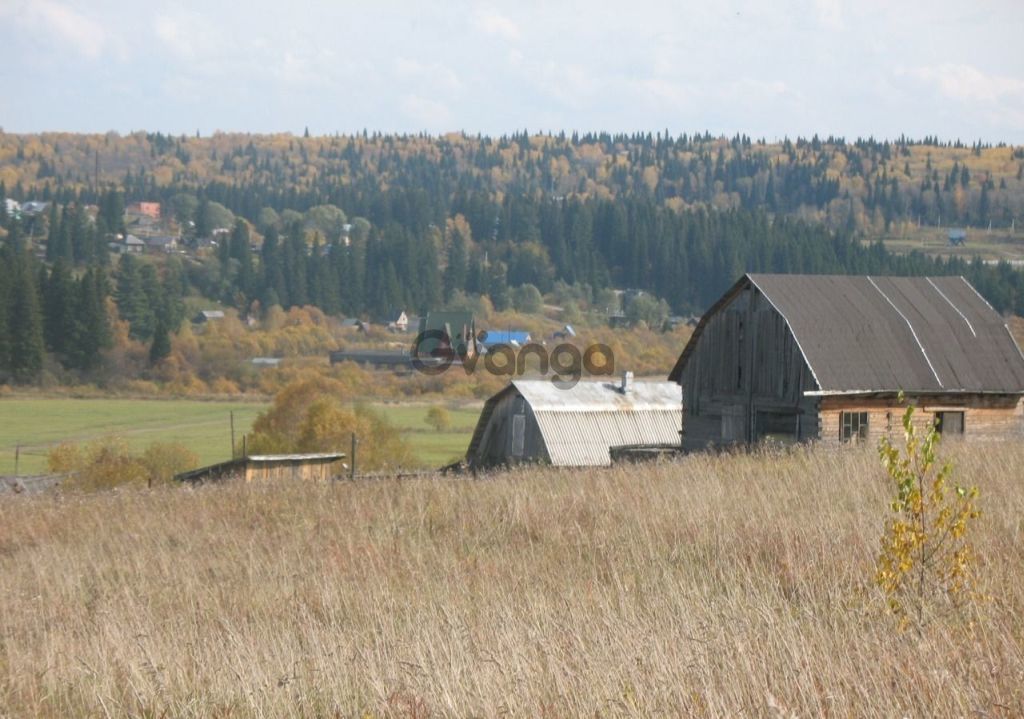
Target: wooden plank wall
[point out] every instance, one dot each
(746, 361)
(285, 471)
(986, 417)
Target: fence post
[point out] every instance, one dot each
(232, 434)
(17, 457)
(352, 464)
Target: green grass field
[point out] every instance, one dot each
(39, 423)
(993, 246)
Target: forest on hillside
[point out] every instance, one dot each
(370, 224)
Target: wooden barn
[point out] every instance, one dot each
(824, 357)
(577, 426)
(279, 467)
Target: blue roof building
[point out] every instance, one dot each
(496, 338)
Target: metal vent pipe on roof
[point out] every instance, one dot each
(627, 382)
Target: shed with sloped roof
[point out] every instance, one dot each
(799, 357)
(573, 425)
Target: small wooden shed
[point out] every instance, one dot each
(279, 467)
(538, 421)
(825, 357)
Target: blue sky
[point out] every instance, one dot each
(794, 67)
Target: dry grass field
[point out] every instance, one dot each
(714, 586)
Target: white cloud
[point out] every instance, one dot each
(492, 22)
(830, 13)
(666, 93)
(192, 37)
(65, 25)
(427, 113)
(434, 74)
(967, 83)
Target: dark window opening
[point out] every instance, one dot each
(949, 422)
(853, 426)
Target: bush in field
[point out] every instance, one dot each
(163, 460)
(439, 418)
(926, 561)
(107, 463)
(311, 415)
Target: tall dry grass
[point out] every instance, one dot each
(731, 585)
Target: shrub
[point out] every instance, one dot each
(439, 418)
(311, 415)
(107, 463)
(925, 564)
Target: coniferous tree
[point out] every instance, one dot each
(160, 348)
(274, 290)
(91, 333)
(455, 272)
(133, 300)
(5, 295)
(24, 318)
(59, 306)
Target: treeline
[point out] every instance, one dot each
(687, 258)
(57, 313)
(865, 185)
(66, 314)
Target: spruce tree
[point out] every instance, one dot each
(25, 322)
(91, 332)
(455, 272)
(59, 307)
(132, 299)
(161, 346)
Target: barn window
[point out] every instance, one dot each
(949, 422)
(853, 426)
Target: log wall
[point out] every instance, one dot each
(986, 417)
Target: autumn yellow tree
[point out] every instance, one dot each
(313, 414)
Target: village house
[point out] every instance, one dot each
(398, 321)
(34, 207)
(804, 357)
(162, 243)
(129, 245)
(489, 339)
(204, 316)
(582, 425)
(143, 209)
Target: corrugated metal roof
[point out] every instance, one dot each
(544, 395)
(581, 423)
(885, 334)
(328, 456)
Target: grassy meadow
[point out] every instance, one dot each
(713, 586)
(1000, 244)
(203, 426)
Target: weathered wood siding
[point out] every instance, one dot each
(291, 470)
(986, 417)
(504, 442)
(746, 379)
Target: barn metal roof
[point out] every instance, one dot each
(581, 423)
(861, 334)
